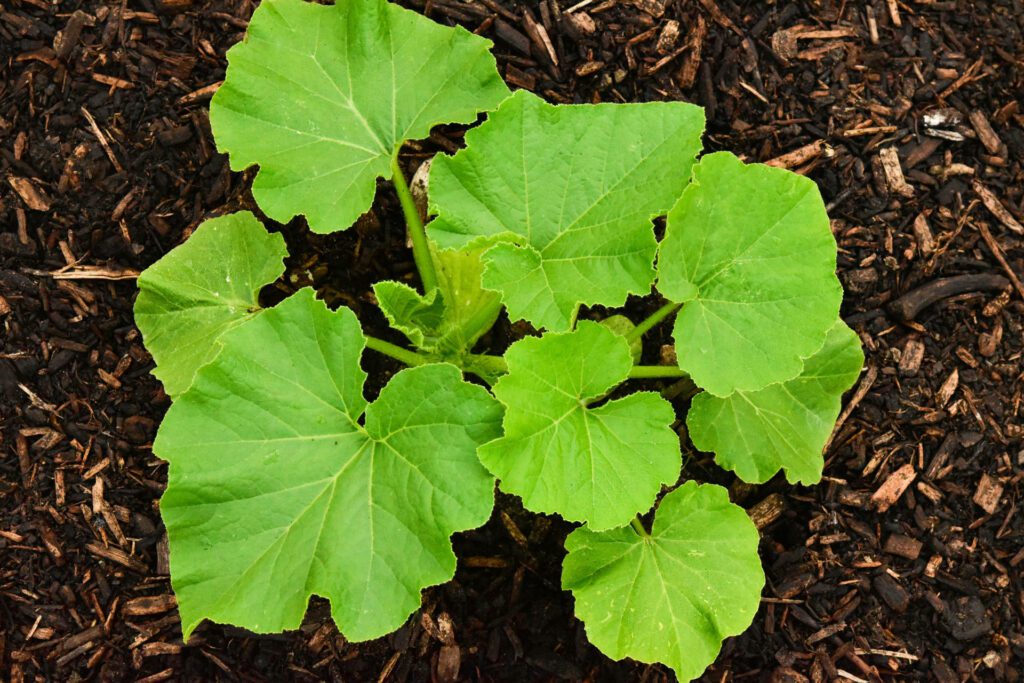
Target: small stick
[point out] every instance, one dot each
(913, 302)
(103, 140)
(801, 155)
(862, 390)
(998, 253)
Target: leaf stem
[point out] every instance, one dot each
(494, 364)
(638, 527)
(652, 320)
(656, 372)
(406, 356)
(417, 233)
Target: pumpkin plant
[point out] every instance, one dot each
(285, 482)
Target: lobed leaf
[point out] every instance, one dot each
(785, 425)
(749, 252)
(675, 595)
(277, 491)
(597, 465)
(322, 97)
(564, 197)
(450, 319)
(201, 289)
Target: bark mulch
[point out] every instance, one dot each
(904, 563)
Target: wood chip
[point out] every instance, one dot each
(985, 132)
(668, 37)
(801, 155)
(947, 389)
(903, 546)
(149, 604)
(889, 160)
(911, 357)
(33, 197)
(892, 593)
(988, 493)
(893, 487)
(997, 251)
(995, 206)
(767, 510)
(923, 235)
(119, 556)
(200, 95)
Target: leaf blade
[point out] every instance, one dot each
(571, 226)
(599, 465)
(785, 425)
(269, 461)
(309, 78)
(749, 252)
(201, 289)
(674, 596)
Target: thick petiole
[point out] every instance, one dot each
(638, 527)
(417, 233)
(657, 372)
(652, 320)
(406, 356)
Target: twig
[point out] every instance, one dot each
(103, 140)
(862, 390)
(998, 253)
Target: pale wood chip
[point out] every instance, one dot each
(893, 487)
(33, 197)
(998, 210)
(989, 491)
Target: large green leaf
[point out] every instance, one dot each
(597, 465)
(675, 595)
(568, 194)
(785, 425)
(449, 319)
(201, 289)
(277, 491)
(749, 252)
(322, 97)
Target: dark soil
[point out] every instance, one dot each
(922, 582)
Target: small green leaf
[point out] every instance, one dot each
(675, 595)
(416, 316)
(597, 465)
(570, 192)
(449, 320)
(322, 97)
(623, 326)
(277, 491)
(201, 289)
(749, 251)
(783, 426)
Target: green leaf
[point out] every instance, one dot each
(623, 326)
(569, 193)
(675, 595)
(418, 317)
(201, 289)
(322, 97)
(449, 320)
(783, 426)
(597, 465)
(749, 252)
(277, 490)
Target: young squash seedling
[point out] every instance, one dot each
(285, 481)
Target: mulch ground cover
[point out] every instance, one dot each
(905, 563)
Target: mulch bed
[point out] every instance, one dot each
(905, 563)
